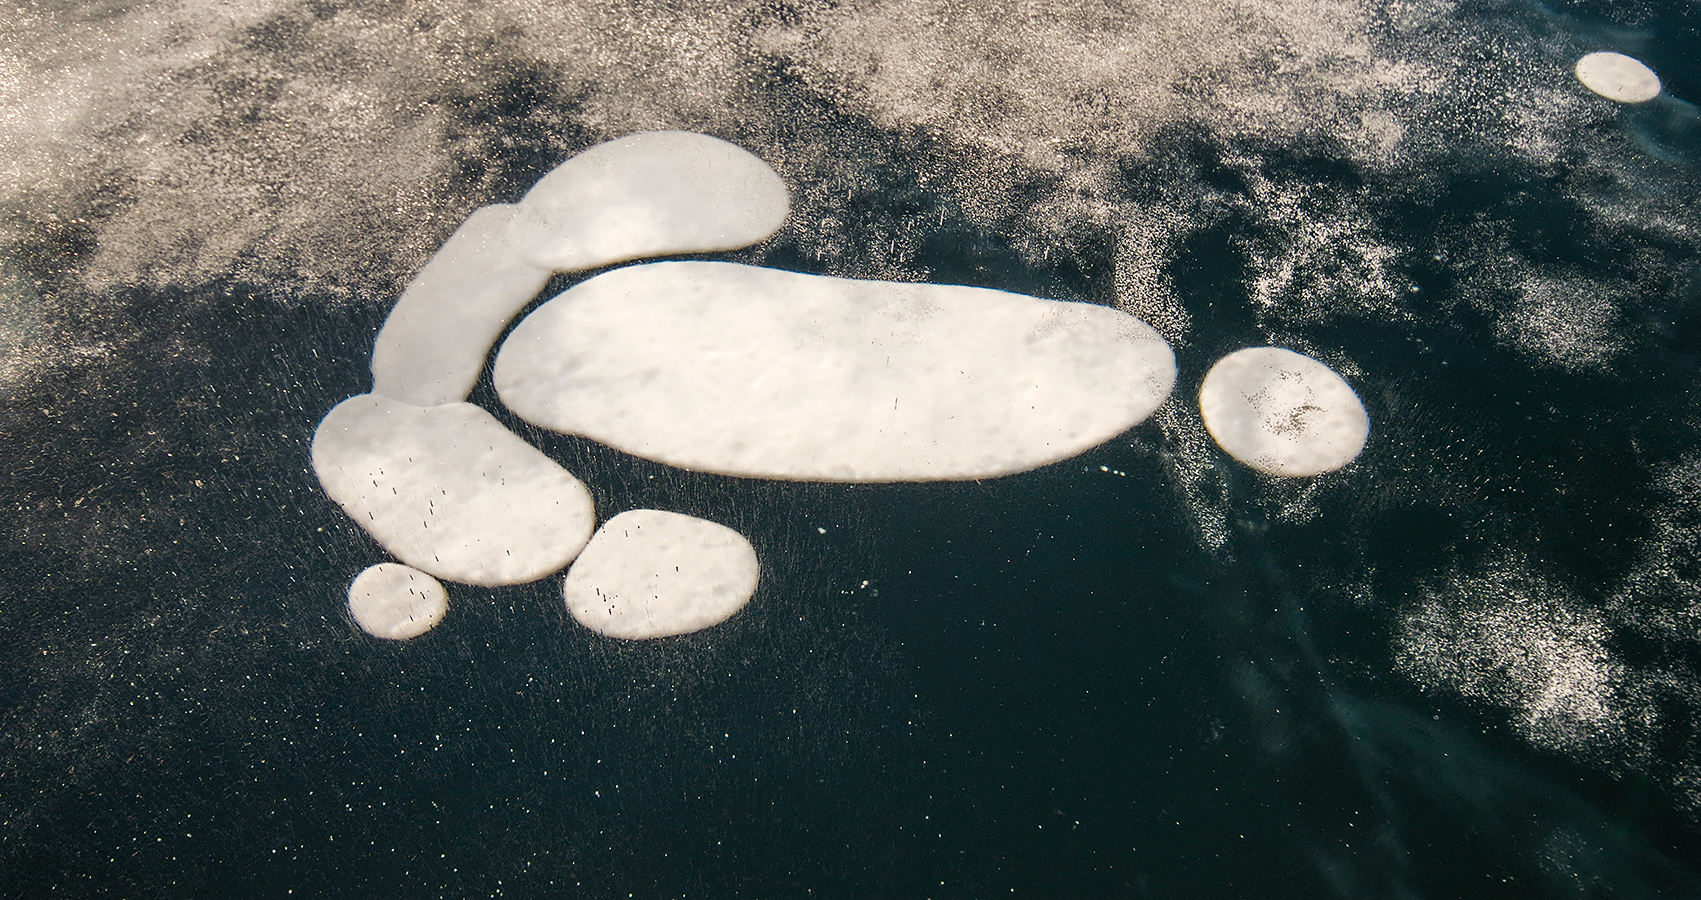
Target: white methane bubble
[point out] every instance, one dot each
(1618, 77)
(1568, 322)
(396, 602)
(650, 573)
(1282, 413)
(434, 342)
(448, 490)
(650, 194)
(754, 372)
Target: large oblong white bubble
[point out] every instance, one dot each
(396, 602)
(763, 373)
(1618, 77)
(1282, 413)
(649, 573)
(448, 490)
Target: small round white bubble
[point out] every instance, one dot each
(396, 602)
(1618, 77)
(648, 573)
(1282, 413)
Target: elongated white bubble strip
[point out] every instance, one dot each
(1618, 77)
(762, 373)
(448, 490)
(660, 192)
(648, 573)
(434, 343)
(396, 602)
(1282, 413)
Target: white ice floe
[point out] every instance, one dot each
(396, 602)
(757, 372)
(1282, 413)
(649, 573)
(1618, 77)
(448, 490)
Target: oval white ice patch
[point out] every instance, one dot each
(449, 491)
(762, 373)
(648, 573)
(1618, 77)
(1282, 413)
(396, 602)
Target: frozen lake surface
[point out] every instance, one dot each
(1467, 663)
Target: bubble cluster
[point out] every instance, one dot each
(438, 481)
(649, 574)
(730, 369)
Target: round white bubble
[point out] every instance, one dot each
(1282, 413)
(396, 602)
(648, 573)
(1618, 77)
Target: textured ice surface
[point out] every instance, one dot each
(1571, 323)
(757, 372)
(647, 194)
(212, 201)
(1618, 77)
(648, 573)
(448, 490)
(1282, 413)
(396, 602)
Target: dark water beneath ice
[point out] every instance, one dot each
(1467, 666)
